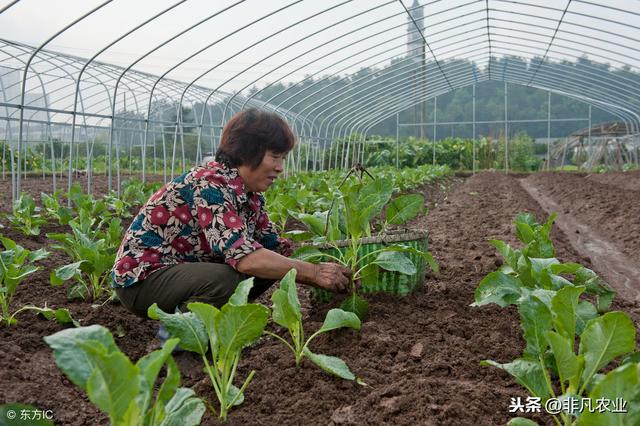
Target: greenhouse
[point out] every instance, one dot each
(435, 205)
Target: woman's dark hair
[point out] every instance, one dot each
(248, 136)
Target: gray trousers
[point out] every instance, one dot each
(177, 285)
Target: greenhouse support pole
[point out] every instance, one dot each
(8, 135)
(473, 111)
(435, 128)
(506, 130)
(549, 130)
(589, 137)
(16, 188)
(397, 140)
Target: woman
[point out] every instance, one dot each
(205, 231)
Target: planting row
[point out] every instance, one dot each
(96, 228)
(553, 315)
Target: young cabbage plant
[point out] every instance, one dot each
(219, 336)
(534, 267)
(121, 389)
(25, 216)
(551, 321)
(350, 218)
(60, 315)
(286, 313)
(54, 209)
(16, 263)
(93, 256)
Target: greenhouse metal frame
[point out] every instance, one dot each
(46, 95)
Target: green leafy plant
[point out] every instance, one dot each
(25, 216)
(355, 207)
(87, 205)
(553, 317)
(286, 313)
(54, 209)
(551, 322)
(134, 193)
(535, 267)
(16, 263)
(218, 336)
(60, 315)
(93, 254)
(121, 389)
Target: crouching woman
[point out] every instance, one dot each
(202, 233)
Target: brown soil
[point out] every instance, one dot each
(606, 208)
(419, 355)
(625, 180)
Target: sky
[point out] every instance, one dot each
(254, 42)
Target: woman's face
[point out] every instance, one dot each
(261, 178)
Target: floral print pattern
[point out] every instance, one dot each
(204, 215)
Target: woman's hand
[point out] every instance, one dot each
(332, 277)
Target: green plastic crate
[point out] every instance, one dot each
(388, 281)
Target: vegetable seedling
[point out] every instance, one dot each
(286, 313)
(16, 263)
(219, 336)
(121, 389)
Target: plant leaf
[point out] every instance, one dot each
(114, 381)
(170, 384)
(308, 254)
(499, 288)
(337, 318)
(239, 326)
(566, 361)
(535, 320)
(330, 364)
(206, 313)
(66, 272)
(184, 409)
(395, 261)
(70, 358)
(621, 384)
(585, 312)
(61, 315)
(509, 255)
(563, 306)
(526, 372)
(604, 339)
(357, 305)
(241, 294)
(186, 326)
(404, 208)
(286, 305)
(149, 367)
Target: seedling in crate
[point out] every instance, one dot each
(218, 336)
(123, 390)
(350, 217)
(286, 312)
